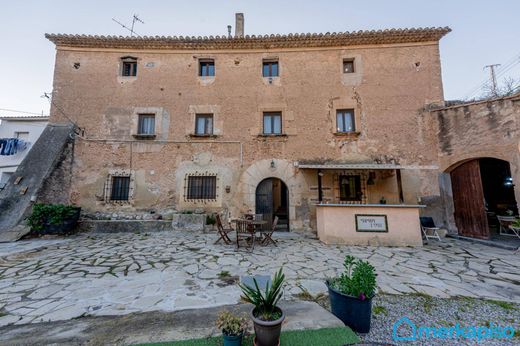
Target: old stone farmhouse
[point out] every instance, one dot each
(320, 130)
(275, 124)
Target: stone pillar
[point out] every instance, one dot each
(447, 202)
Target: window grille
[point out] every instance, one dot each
(201, 187)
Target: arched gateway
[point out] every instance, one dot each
(482, 190)
(272, 200)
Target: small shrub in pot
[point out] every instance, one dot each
(351, 294)
(233, 328)
(53, 218)
(266, 315)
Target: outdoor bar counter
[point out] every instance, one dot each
(369, 224)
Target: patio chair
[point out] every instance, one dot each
(244, 232)
(268, 235)
(428, 228)
(223, 232)
(505, 225)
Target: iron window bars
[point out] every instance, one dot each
(201, 187)
(120, 189)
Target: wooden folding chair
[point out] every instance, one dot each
(268, 235)
(428, 228)
(244, 232)
(223, 232)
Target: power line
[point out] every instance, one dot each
(515, 60)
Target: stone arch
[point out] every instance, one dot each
(460, 160)
(263, 169)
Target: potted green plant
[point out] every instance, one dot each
(233, 328)
(351, 294)
(53, 218)
(267, 317)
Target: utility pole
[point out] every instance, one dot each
(493, 77)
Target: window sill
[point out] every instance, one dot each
(195, 135)
(267, 135)
(143, 136)
(347, 135)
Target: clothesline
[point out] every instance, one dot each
(10, 146)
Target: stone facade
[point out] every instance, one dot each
(395, 76)
(484, 129)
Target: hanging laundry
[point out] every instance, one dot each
(10, 146)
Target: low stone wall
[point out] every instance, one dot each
(189, 222)
(115, 226)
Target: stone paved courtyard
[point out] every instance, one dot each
(115, 274)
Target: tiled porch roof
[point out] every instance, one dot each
(334, 39)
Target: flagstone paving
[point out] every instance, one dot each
(121, 273)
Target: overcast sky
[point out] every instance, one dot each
(483, 33)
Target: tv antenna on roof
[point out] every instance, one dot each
(135, 19)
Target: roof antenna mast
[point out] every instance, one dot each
(135, 19)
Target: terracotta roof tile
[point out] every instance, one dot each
(334, 39)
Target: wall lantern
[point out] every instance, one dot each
(273, 164)
(228, 189)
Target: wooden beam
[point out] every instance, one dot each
(399, 185)
(320, 189)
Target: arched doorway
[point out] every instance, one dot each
(482, 189)
(272, 199)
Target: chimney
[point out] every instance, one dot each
(239, 25)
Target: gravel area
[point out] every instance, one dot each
(438, 312)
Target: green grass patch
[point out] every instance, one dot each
(503, 305)
(224, 274)
(378, 310)
(314, 337)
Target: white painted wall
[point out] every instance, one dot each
(28, 129)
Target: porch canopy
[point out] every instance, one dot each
(360, 166)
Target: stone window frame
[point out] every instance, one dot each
(353, 78)
(108, 186)
(157, 112)
(195, 110)
(200, 200)
(128, 60)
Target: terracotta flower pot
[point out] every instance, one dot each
(267, 332)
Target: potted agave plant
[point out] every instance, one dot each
(351, 294)
(266, 315)
(233, 328)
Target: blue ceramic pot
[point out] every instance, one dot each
(352, 311)
(233, 340)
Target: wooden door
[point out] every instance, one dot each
(468, 200)
(264, 201)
